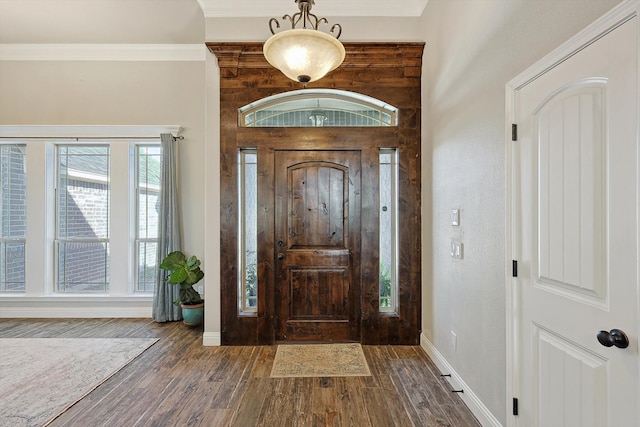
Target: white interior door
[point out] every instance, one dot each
(576, 236)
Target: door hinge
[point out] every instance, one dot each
(514, 268)
(515, 406)
(514, 132)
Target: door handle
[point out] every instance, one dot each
(280, 256)
(614, 337)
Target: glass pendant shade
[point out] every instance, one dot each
(304, 55)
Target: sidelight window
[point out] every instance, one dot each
(388, 230)
(248, 232)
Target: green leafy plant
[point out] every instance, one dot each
(385, 285)
(184, 272)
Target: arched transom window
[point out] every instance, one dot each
(318, 107)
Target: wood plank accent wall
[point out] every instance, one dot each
(387, 71)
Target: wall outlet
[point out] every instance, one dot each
(454, 341)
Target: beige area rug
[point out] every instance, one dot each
(320, 360)
(40, 378)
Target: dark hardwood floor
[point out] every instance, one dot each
(179, 382)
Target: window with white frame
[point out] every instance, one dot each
(13, 208)
(388, 230)
(90, 223)
(82, 218)
(148, 160)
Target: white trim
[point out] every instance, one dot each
(481, 412)
(212, 339)
(602, 26)
(328, 8)
(16, 306)
(87, 131)
(103, 52)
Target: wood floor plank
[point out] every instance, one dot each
(351, 405)
(324, 408)
(179, 382)
(251, 403)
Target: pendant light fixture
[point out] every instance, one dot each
(304, 54)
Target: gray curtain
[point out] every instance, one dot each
(168, 232)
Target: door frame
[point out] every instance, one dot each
(617, 16)
(391, 72)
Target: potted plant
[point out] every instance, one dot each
(186, 272)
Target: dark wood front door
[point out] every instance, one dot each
(317, 235)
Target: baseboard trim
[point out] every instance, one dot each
(212, 339)
(22, 308)
(75, 313)
(481, 412)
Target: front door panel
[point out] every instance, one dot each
(317, 201)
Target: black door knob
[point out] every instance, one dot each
(280, 257)
(614, 337)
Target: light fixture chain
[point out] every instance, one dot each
(304, 55)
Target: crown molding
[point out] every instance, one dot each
(359, 55)
(87, 131)
(333, 8)
(103, 52)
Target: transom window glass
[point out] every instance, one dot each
(82, 218)
(13, 200)
(318, 107)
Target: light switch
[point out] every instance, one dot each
(455, 216)
(456, 249)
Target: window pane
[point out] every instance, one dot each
(83, 192)
(148, 190)
(388, 231)
(12, 266)
(248, 283)
(147, 271)
(13, 211)
(82, 220)
(83, 267)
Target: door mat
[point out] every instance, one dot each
(319, 360)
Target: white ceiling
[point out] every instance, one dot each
(322, 8)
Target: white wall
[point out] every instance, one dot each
(150, 84)
(473, 48)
